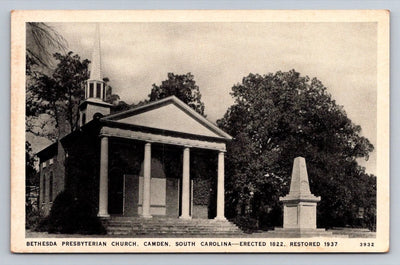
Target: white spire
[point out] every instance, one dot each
(95, 66)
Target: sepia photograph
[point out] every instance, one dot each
(200, 131)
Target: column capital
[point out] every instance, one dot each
(103, 135)
(222, 151)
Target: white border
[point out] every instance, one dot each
(18, 107)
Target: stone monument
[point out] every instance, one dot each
(299, 206)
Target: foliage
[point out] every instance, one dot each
(183, 87)
(31, 185)
(114, 99)
(53, 99)
(277, 117)
(201, 191)
(70, 215)
(40, 40)
(246, 223)
(34, 219)
(32, 176)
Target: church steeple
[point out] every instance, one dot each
(95, 87)
(94, 104)
(95, 71)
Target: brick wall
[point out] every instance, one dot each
(52, 179)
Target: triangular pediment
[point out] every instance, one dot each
(169, 114)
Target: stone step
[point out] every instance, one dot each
(182, 232)
(298, 233)
(116, 229)
(164, 219)
(175, 226)
(171, 223)
(165, 226)
(169, 231)
(127, 223)
(218, 223)
(171, 226)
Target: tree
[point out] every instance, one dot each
(31, 187)
(183, 87)
(114, 99)
(277, 117)
(32, 177)
(40, 40)
(202, 166)
(57, 96)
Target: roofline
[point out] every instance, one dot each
(71, 134)
(121, 125)
(180, 104)
(46, 148)
(87, 101)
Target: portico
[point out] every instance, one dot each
(148, 125)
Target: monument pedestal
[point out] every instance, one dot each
(300, 213)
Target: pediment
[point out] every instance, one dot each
(169, 114)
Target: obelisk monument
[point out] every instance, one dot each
(299, 207)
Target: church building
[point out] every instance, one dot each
(158, 159)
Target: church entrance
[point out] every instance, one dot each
(164, 196)
(126, 181)
(164, 193)
(115, 191)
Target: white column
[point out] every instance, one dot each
(221, 187)
(185, 202)
(146, 181)
(103, 184)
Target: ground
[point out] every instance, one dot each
(31, 234)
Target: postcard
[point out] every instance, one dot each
(199, 131)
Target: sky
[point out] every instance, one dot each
(136, 55)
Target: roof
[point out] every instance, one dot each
(124, 118)
(48, 151)
(169, 114)
(95, 101)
